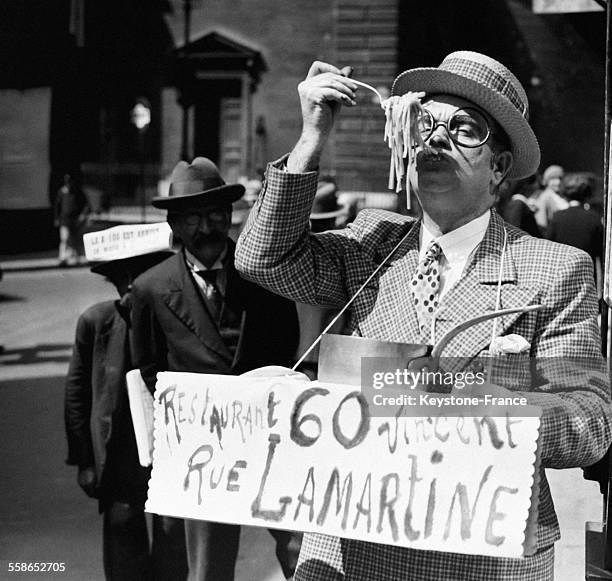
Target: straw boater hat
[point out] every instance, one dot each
(325, 204)
(197, 183)
(491, 86)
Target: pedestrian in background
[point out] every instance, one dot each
(577, 226)
(517, 209)
(326, 212)
(549, 200)
(71, 211)
(194, 313)
(101, 441)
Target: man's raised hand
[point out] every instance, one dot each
(322, 92)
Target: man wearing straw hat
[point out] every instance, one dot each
(459, 261)
(194, 313)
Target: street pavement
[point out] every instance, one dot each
(43, 514)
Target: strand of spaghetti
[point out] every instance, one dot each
(405, 126)
(393, 109)
(390, 184)
(401, 133)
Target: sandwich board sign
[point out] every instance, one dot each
(283, 452)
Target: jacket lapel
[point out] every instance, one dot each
(476, 293)
(185, 301)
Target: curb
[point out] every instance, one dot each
(35, 265)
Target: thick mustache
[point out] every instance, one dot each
(429, 153)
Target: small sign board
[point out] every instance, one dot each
(286, 453)
(141, 410)
(127, 240)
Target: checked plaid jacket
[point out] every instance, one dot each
(277, 251)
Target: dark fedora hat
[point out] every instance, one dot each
(199, 183)
(135, 264)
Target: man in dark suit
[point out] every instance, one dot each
(576, 226)
(99, 426)
(194, 313)
(517, 210)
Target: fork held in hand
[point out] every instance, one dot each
(362, 84)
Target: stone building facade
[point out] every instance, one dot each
(66, 107)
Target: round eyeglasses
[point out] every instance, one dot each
(467, 127)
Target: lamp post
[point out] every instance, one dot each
(140, 116)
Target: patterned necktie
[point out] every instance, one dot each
(425, 286)
(215, 300)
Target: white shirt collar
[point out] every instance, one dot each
(458, 244)
(196, 265)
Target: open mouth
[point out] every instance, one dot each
(429, 157)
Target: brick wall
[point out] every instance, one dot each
(290, 35)
(366, 39)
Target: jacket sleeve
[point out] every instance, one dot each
(277, 250)
(78, 395)
(574, 395)
(149, 348)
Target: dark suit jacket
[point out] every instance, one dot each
(518, 213)
(98, 421)
(172, 329)
(578, 227)
(95, 382)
